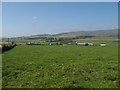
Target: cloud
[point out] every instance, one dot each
(34, 18)
(116, 27)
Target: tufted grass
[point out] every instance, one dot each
(60, 67)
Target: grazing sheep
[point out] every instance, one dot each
(64, 44)
(90, 44)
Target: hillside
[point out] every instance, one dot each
(108, 33)
(76, 34)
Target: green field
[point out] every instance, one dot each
(60, 67)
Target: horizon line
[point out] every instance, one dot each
(57, 33)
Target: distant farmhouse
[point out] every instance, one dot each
(103, 44)
(85, 44)
(90, 44)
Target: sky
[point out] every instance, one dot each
(60, 0)
(31, 18)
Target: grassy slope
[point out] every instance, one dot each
(60, 66)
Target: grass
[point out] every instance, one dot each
(0, 70)
(60, 67)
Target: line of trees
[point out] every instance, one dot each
(7, 47)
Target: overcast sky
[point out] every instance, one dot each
(21, 19)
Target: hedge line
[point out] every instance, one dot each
(8, 47)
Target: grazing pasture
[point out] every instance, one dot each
(30, 66)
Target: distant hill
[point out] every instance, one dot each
(98, 33)
(113, 32)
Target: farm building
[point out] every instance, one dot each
(82, 44)
(85, 44)
(103, 44)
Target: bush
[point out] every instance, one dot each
(8, 47)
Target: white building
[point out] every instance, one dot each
(83, 44)
(102, 44)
